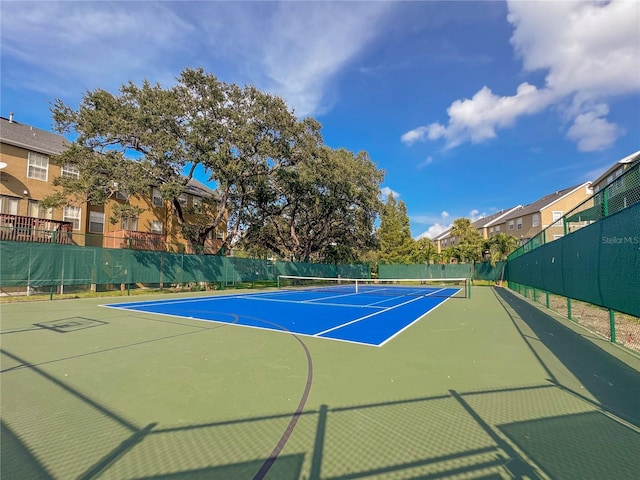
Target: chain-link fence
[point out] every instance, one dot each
(31, 267)
(592, 274)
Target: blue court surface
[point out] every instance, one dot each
(364, 318)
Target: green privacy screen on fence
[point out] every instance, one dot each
(424, 271)
(38, 264)
(476, 271)
(599, 264)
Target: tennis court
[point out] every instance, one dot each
(357, 311)
(482, 387)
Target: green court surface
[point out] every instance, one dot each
(488, 387)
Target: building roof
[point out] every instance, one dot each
(443, 235)
(544, 202)
(493, 218)
(479, 223)
(195, 187)
(31, 138)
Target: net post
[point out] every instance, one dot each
(278, 282)
(468, 282)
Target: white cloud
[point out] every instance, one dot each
(305, 46)
(290, 49)
(475, 215)
(433, 231)
(592, 132)
(425, 162)
(386, 191)
(438, 224)
(414, 135)
(589, 51)
(88, 45)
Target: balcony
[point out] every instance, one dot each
(135, 240)
(31, 229)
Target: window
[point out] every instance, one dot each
(35, 210)
(519, 223)
(9, 205)
(156, 226)
(510, 224)
(96, 222)
(490, 230)
(182, 199)
(130, 224)
(72, 214)
(220, 234)
(121, 196)
(157, 198)
(70, 171)
(616, 186)
(535, 220)
(557, 216)
(497, 228)
(38, 166)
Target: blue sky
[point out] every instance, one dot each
(469, 107)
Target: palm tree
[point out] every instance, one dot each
(500, 246)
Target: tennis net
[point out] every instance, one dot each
(428, 287)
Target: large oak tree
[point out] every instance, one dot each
(277, 186)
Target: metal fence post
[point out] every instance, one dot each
(612, 325)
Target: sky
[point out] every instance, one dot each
(470, 107)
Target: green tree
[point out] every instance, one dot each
(325, 207)
(424, 251)
(500, 246)
(450, 255)
(469, 242)
(149, 136)
(394, 234)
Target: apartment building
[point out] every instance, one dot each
(524, 222)
(618, 187)
(27, 175)
(486, 227)
(615, 171)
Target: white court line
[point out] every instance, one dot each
(243, 325)
(407, 326)
(189, 300)
(308, 302)
(329, 297)
(367, 316)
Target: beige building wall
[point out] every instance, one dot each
(16, 185)
(157, 224)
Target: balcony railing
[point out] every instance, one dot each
(135, 240)
(31, 229)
